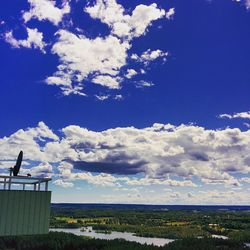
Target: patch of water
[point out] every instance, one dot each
(88, 231)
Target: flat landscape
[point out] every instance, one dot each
(176, 222)
(158, 222)
(184, 227)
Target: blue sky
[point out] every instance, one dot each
(129, 102)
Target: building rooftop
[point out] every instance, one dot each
(15, 182)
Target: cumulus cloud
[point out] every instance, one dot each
(83, 60)
(34, 40)
(5, 165)
(64, 184)
(42, 170)
(30, 140)
(170, 13)
(46, 10)
(112, 166)
(149, 55)
(100, 60)
(130, 73)
(143, 84)
(125, 25)
(242, 115)
(107, 81)
(162, 154)
(80, 57)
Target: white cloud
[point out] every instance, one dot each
(5, 165)
(130, 73)
(80, 57)
(183, 151)
(28, 140)
(102, 97)
(160, 153)
(167, 182)
(96, 60)
(107, 81)
(100, 60)
(217, 197)
(242, 115)
(245, 179)
(42, 170)
(149, 55)
(170, 13)
(83, 60)
(125, 25)
(34, 40)
(62, 183)
(118, 97)
(46, 10)
(167, 196)
(102, 179)
(143, 84)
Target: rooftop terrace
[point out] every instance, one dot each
(15, 182)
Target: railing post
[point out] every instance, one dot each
(34, 187)
(46, 186)
(24, 186)
(4, 185)
(39, 185)
(9, 183)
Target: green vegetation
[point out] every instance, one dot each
(187, 226)
(172, 224)
(64, 241)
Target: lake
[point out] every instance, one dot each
(114, 235)
(88, 231)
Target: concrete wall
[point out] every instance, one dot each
(24, 212)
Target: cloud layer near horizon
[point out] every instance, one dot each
(162, 154)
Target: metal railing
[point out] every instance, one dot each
(7, 182)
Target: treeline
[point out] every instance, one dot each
(226, 218)
(170, 232)
(65, 241)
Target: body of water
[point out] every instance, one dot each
(219, 236)
(88, 231)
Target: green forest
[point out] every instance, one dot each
(172, 224)
(65, 241)
(191, 229)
